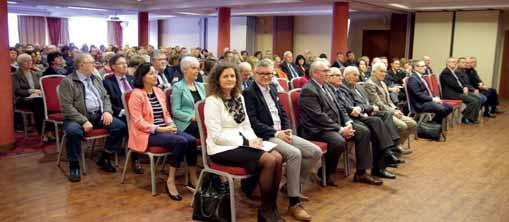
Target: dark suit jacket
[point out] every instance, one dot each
(51, 71)
(417, 92)
(111, 85)
(394, 77)
(20, 85)
(465, 79)
(474, 78)
(317, 113)
(173, 74)
(428, 70)
(358, 100)
(259, 114)
(285, 68)
(450, 87)
(338, 64)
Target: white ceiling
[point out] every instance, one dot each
(165, 8)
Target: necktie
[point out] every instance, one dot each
(125, 85)
(293, 72)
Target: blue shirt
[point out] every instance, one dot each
(93, 102)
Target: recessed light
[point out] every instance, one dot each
(89, 9)
(188, 13)
(11, 2)
(396, 5)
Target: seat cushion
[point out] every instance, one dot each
(322, 145)
(56, 117)
(157, 149)
(97, 132)
(453, 102)
(239, 171)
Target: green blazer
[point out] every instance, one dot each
(182, 103)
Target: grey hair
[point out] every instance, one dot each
(23, 58)
(414, 63)
(317, 64)
(286, 53)
(267, 63)
(379, 66)
(188, 61)
(335, 70)
(80, 58)
(243, 66)
(350, 70)
(157, 53)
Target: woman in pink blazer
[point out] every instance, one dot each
(150, 124)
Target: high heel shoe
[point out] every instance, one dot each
(176, 197)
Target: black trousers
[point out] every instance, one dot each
(36, 105)
(492, 101)
(380, 139)
(440, 110)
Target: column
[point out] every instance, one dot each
(282, 34)
(397, 36)
(7, 139)
(142, 29)
(223, 30)
(339, 28)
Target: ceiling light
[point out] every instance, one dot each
(11, 2)
(396, 5)
(188, 13)
(89, 9)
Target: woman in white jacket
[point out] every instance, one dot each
(231, 141)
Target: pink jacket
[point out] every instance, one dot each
(141, 118)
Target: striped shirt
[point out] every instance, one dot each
(157, 110)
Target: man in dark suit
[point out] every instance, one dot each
(454, 88)
(340, 61)
(288, 67)
(246, 73)
(116, 85)
(383, 142)
(270, 122)
(160, 62)
(427, 62)
(324, 119)
(490, 93)
(421, 98)
(56, 64)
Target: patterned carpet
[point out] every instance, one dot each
(29, 145)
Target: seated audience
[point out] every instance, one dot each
(384, 135)
(246, 75)
(277, 68)
(351, 60)
(421, 98)
(133, 64)
(13, 55)
(378, 95)
(185, 94)
(454, 88)
(427, 62)
(270, 122)
(323, 118)
(231, 141)
(288, 67)
(56, 64)
(340, 61)
(151, 125)
(117, 84)
(363, 70)
(477, 83)
(461, 71)
(300, 63)
(394, 81)
(159, 61)
(91, 110)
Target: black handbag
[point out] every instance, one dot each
(430, 130)
(212, 201)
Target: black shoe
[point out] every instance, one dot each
(382, 173)
(176, 197)
(392, 159)
(104, 163)
(74, 171)
(489, 115)
(136, 166)
(366, 178)
(467, 121)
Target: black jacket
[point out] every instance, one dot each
(285, 68)
(417, 93)
(259, 114)
(111, 85)
(450, 87)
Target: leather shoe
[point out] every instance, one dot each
(298, 212)
(391, 159)
(175, 197)
(366, 178)
(137, 168)
(467, 121)
(489, 115)
(74, 171)
(403, 150)
(382, 173)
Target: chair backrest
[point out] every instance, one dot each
(283, 83)
(49, 85)
(200, 120)
(168, 92)
(408, 97)
(298, 82)
(433, 84)
(284, 100)
(294, 104)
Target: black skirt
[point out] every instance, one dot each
(241, 156)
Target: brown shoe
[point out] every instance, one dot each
(299, 213)
(366, 178)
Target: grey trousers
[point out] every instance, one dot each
(300, 157)
(406, 126)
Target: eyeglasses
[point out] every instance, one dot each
(325, 70)
(265, 74)
(334, 75)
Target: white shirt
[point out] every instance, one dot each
(274, 113)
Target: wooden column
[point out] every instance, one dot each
(223, 30)
(282, 34)
(160, 32)
(142, 29)
(7, 139)
(397, 38)
(339, 40)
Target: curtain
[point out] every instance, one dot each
(64, 31)
(54, 29)
(32, 30)
(115, 33)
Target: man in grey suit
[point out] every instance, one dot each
(324, 119)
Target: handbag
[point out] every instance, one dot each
(430, 130)
(212, 200)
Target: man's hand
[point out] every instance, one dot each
(398, 114)
(437, 100)
(465, 91)
(376, 108)
(394, 89)
(356, 111)
(87, 126)
(172, 128)
(107, 118)
(347, 132)
(285, 135)
(476, 92)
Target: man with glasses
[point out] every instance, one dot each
(323, 118)
(270, 122)
(421, 98)
(288, 67)
(159, 61)
(85, 106)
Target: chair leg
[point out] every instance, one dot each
(25, 124)
(346, 155)
(186, 172)
(152, 174)
(324, 171)
(198, 186)
(83, 159)
(57, 136)
(232, 197)
(43, 131)
(128, 156)
(60, 150)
